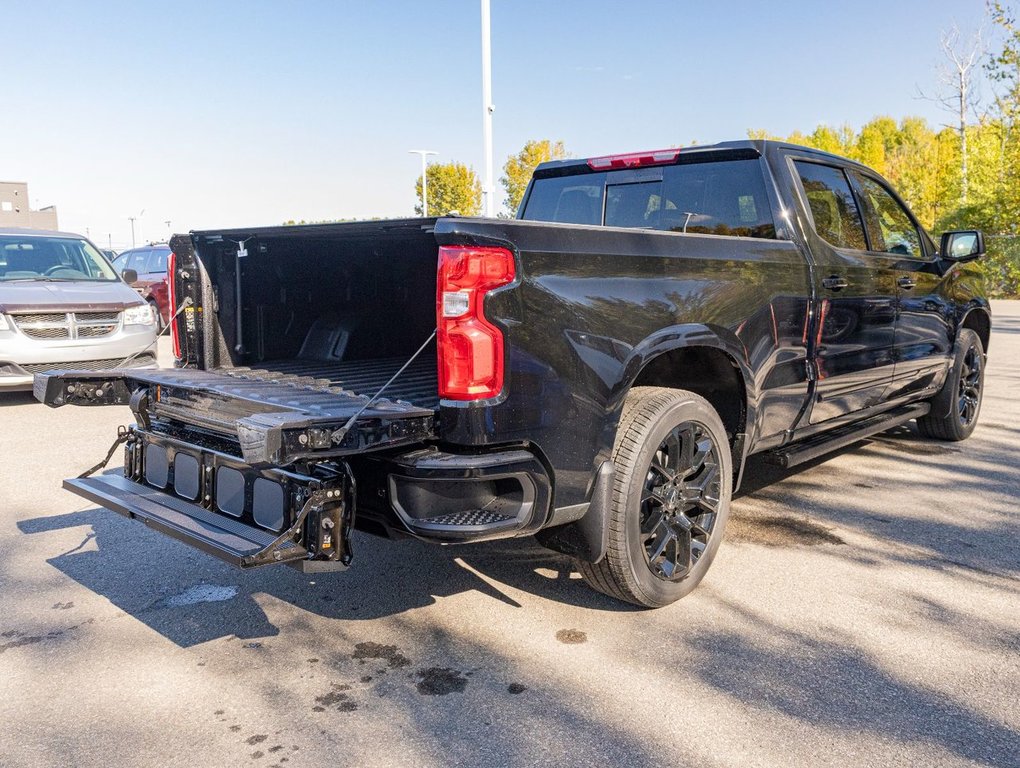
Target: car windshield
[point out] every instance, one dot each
(31, 257)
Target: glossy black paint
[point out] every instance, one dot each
(788, 337)
(593, 306)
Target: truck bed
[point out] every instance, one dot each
(417, 385)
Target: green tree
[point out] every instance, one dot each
(1003, 69)
(452, 187)
(519, 167)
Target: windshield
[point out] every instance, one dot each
(28, 257)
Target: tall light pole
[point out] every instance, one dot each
(424, 177)
(488, 187)
(167, 222)
(132, 220)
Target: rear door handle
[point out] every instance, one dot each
(834, 283)
(906, 283)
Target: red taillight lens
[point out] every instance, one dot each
(171, 274)
(470, 347)
(634, 160)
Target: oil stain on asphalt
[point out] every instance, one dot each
(439, 681)
(571, 636)
(337, 698)
(390, 653)
(779, 531)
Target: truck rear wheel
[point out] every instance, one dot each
(671, 498)
(954, 410)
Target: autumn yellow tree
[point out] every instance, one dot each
(518, 168)
(452, 187)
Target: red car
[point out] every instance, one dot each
(150, 262)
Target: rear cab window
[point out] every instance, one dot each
(709, 197)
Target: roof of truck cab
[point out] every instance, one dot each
(758, 146)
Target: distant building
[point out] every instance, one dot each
(15, 210)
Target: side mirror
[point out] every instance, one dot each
(964, 245)
(130, 276)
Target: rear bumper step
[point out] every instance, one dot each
(827, 442)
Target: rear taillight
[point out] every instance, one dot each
(470, 347)
(171, 274)
(634, 160)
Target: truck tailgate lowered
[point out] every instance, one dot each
(275, 418)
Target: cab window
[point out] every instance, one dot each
(710, 197)
(834, 211)
(890, 228)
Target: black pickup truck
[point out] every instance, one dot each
(594, 373)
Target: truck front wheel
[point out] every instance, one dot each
(954, 410)
(671, 498)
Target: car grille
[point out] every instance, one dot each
(89, 365)
(67, 325)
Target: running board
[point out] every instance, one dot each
(827, 442)
(217, 535)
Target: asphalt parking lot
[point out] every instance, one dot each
(862, 611)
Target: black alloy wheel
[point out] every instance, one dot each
(970, 385)
(955, 408)
(672, 482)
(680, 503)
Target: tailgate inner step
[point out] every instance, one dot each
(217, 535)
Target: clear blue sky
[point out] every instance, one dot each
(222, 113)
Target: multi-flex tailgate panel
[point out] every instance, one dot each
(276, 418)
(217, 535)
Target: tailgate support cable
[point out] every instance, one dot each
(169, 324)
(338, 435)
(123, 435)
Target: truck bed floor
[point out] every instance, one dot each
(417, 385)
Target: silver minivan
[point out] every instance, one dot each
(63, 306)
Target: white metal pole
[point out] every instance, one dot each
(424, 186)
(488, 187)
(424, 177)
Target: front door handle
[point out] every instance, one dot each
(834, 283)
(906, 283)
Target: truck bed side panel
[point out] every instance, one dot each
(593, 305)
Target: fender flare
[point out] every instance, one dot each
(687, 336)
(584, 535)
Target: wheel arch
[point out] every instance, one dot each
(701, 359)
(979, 320)
(679, 358)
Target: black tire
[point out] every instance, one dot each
(954, 410)
(683, 517)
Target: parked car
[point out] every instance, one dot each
(595, 373)
(149, 263)
(63, 306)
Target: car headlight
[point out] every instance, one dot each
(140, 315)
